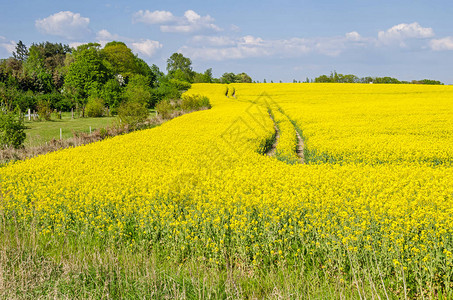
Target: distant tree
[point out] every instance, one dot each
(242, 78)
(207, 76)
(176, 62)
(323, 79)
(21, 52)
(228, 78)
(264, 81)
(427, 81)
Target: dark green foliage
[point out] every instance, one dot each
(235, 78)
(21, 52)
(340, 78)
(11, 129)
(427, 81)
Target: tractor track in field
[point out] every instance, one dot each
(300, 142)
(271, 151)
(300, 147)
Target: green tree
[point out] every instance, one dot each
(228, 78)
(34, 68)
(205, 77)
(120, 59)
(176, 62)
(242, 78)
(112, 93)
(12, 128)
(87, 74)
(21, 52)
(139, 90)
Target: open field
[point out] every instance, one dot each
(40, 132)
(195, 209)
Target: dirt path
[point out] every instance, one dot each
(300, 147)
(271, 151)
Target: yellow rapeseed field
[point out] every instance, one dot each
(375, 196)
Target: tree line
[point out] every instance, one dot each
(52, 76)
(335, 77)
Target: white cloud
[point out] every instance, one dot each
(217, 41)
(9, 46)
(353, 36)
(222, 48)
(146, 47)
(153, 17)
(189, 23)
(442, 44)
(64, 24)
(75, 44)
(104, 36)
(401, 32)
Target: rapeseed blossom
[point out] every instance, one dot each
(377, 184)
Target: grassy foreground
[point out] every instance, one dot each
(73, 268)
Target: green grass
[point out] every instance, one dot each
(40, 132)
(70, 267)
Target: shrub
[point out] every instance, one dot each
(95, 107)
(44, 110)
(132, 113)
(164, 108)
(194, 102)
(11, 129)
(179, 84)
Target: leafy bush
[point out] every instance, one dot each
(194, 102)
(11, 129)
(132, 113)
(179, 84)
(95, 107)
(164, 108)
(44, 110)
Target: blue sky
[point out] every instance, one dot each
(272, 40)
